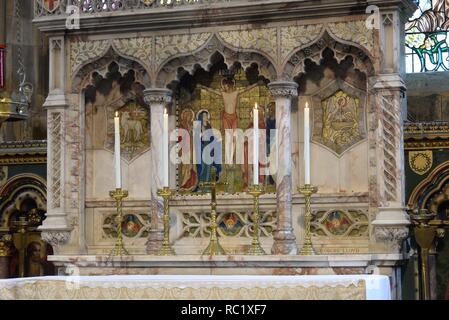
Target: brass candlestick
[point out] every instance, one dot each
(118, 195)
(307, 190)
(424, 235)
(256, 249)
(20, 239)
(214, 247)
(166, 249)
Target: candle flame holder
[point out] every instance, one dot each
(214, 247)
(256, 249)
(307, 190)
(118, 195)
(166, 249)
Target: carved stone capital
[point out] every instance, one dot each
(158, 96)
(391, 234)
(284, 89)
(56, 237)
(391, 226)
(392, 81)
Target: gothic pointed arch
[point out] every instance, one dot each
(313, 51)
(433, 190)
(24, 194)
(83, 75)
(170, 71)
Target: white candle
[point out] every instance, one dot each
(307, 144)
(165, 149)
(256, 145)
(118, 170)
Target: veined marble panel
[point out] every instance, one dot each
(347, 174)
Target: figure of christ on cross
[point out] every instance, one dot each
(230, 95)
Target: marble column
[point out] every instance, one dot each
(388, 109)
(387, 186)
(56, 229)
(284, 238)
(157, 99)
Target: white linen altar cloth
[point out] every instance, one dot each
(377, 286)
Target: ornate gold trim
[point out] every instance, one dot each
(23, 152)
(426, 145)
(15, 160)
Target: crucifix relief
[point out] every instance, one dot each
(222, 103)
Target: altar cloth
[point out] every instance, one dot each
(198, 287)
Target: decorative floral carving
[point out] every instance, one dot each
(158, 96)
(393, 235)
(353, 31)
(56, 237)
(293, 37)
(139, 48)
(84, 51)
(283, 89)
(174, 45)
(230, 224)
(262, 40)
(56, 132)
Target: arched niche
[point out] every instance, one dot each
(100, 66)
(223, 96)
(23, 195)
(432, 193)
(337, 92)
(296, 63)
(204, 56)
(110, 90)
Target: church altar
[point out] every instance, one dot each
(327, 85)
(198, 287)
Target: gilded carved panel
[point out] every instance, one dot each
(339, 117)
(134, 130)
(340, 121)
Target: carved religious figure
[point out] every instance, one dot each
(204, 168)
(221, 102)
(340, 121)
(188, 171)
(230, 95)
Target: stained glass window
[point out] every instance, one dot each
(426, 43)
